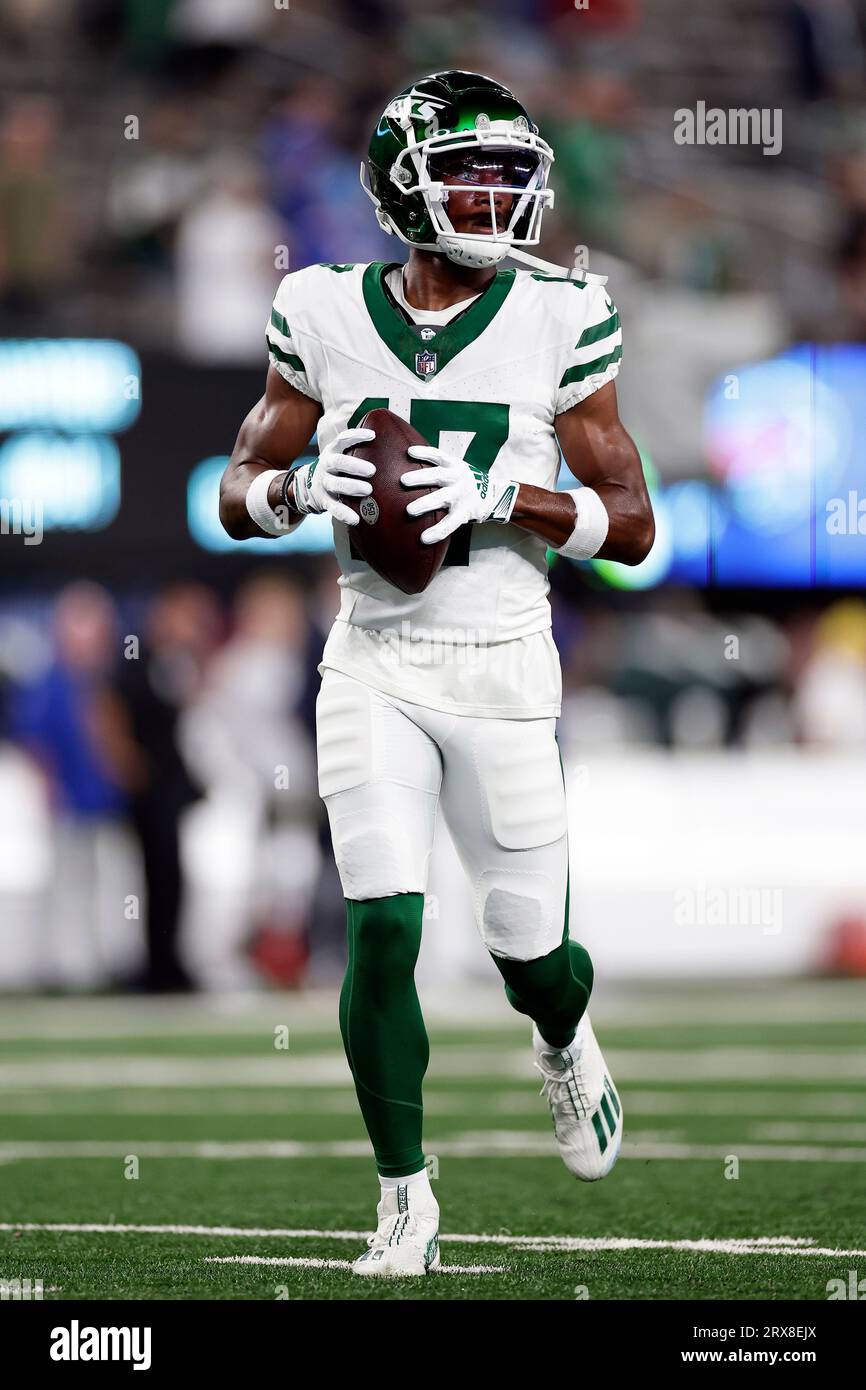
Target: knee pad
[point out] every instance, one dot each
(518, 856)
(521, 914)
(382, 836)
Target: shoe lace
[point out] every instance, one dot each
(392, 1231)
(566, 1091)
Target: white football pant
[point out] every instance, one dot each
(383, 766)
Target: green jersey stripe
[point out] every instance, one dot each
(279, 323)
(580, 356)
(598, 331)
(289, 359)
(559, 280)
(587, 369)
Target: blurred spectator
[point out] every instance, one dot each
(670, 676)
(31, 207)
(55, 718)
(676, 236)
(143, 24)
(185, 41)
(227, 26)
(157, 179)
(827, 41)
(30, 26)
(155, 684)
(851, 264)
(313, 180)
(55, 714)
(225, 257)
(250, 746)
(589, 130)
(830, 702)
(601, 14)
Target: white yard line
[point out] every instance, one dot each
(300, 1262)
(125, 1070)
(329, 1101)
(693, 1103)
(787, 1133)
(738, 1063)
(742, 1102)
(738, 1245)
(122, 1070)
(483, 1144)
(476, 1006)
(514, 1144)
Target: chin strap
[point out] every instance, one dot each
(473, 254)
(574, 272)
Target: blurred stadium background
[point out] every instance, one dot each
(162, 162)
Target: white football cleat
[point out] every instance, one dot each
(586, 1110)
(406, 1242)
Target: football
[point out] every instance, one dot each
(387, 537)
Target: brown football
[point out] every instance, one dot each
(387, 537)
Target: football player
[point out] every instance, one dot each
(498, 369)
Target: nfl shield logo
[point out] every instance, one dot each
(425, 363)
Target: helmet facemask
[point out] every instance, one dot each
(511, 196)
(440, 164)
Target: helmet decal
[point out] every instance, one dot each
(416, 106)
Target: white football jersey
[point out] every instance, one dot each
(487, 387)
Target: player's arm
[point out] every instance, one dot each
(613, 500)
(261, 494)
(276, 431)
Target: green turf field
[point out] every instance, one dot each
(254, 1178)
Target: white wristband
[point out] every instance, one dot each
(260, 508)
(590, 525)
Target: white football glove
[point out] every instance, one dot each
(468, 494)
(319, 485)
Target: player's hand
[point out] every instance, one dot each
(468, 494)
(318, 486)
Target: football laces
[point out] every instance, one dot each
(394, 1229)
(569, 1089)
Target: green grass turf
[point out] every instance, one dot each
(475, 1088)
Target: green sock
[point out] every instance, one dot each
(553, 990)
(383, 1029)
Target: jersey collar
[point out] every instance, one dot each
(425, 362)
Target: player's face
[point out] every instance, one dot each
(471, 175)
